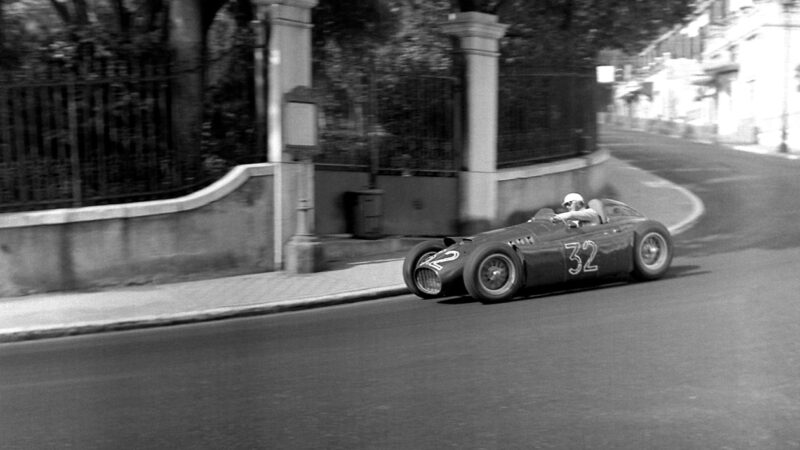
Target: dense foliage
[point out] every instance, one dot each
(36, 31)
(360, 46)
(579, 29)
(351, 37)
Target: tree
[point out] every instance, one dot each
(574, 31)
(557, 31)
(487, 6)
(354, 39)
(3, 27)
(349, 35)
(124, 29)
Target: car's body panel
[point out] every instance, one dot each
(544, 263)
(551, 252)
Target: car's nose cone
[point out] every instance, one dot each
(428, 281)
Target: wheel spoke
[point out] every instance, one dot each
(653, 254)
(653, 250)
(495, 273)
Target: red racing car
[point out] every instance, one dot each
(496, 265)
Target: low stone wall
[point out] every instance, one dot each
(428, 206)
(412, 206)
(222, 229)
(228, 227)
(523, 191)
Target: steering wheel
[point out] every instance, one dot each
(568, 224)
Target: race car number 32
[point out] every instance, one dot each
(589, 251)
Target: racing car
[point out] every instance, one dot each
(495, 265)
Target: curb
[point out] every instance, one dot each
(749, 148)
(17, 335)
(698, 209)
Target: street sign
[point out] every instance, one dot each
(605, 74)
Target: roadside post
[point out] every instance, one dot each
(301, 134)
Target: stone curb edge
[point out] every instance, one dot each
(201, 316)
(698, 210)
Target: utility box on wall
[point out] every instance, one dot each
(365, 213)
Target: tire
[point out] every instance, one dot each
(419, 253)
(652, 253)
(493, 272)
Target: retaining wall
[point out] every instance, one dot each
(222, 229)
(428, 206)
(228, 227)
(523, 191)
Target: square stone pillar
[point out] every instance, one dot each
(479, 35)
(288, 55)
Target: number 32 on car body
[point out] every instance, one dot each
(578, 265)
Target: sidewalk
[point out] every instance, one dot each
(65, 314)
(763, 150)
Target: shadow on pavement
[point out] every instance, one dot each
(685, 271)
(679, 271)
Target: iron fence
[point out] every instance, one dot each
(95, 132)
(404, 124)
(545, 115)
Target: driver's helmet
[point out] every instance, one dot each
(572, 197)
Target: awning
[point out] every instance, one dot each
(703, 80)
(627, 89)
(634, 88)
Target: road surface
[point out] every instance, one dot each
(705, 358)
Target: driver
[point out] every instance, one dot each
(577, 211)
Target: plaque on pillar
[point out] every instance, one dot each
(301, 123)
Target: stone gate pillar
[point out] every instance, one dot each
(288, 60)
(478, 36)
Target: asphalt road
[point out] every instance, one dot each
(705, 358)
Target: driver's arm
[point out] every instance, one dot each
(584, 215)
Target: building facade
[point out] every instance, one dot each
(729, 74)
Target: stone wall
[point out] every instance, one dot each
(223, 229)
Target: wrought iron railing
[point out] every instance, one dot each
(545, 115)
(95, 132)
(404, 124)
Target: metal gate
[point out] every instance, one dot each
(405, 124)
(545, 115)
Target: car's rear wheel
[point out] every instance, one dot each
(493, 272)
(418, 254)
(652, 253)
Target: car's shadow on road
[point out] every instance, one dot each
(674, 272)
(460, 300)
(685, 271)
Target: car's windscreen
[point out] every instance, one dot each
(544, 214)
(620, 210)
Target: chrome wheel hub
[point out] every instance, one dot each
(653, 250)
(496, 273)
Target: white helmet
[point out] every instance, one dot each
(572, 197)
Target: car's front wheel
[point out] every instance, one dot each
(652, 253)
(493, 272)
(418, 254)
